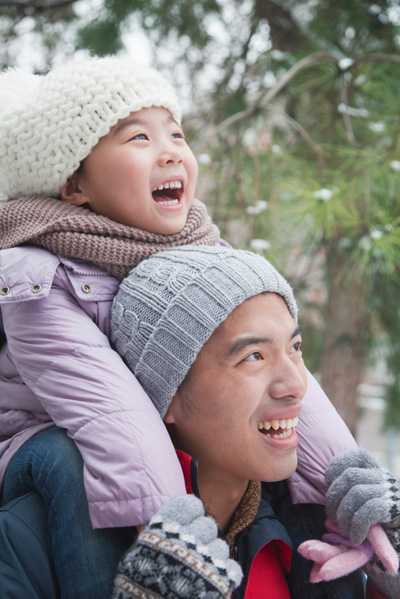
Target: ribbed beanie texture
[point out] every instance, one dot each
(171, 303)
(50, 123)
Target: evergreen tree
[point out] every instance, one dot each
(298, 134)
(332, 113)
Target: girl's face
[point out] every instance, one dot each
(142, 174)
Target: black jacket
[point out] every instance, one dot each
(278, 519)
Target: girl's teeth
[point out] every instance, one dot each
(168, 202)
(170, 185)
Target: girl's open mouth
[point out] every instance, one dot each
(168, 194)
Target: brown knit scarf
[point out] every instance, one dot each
(244, 513)
(77, 232)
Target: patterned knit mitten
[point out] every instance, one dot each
(178, 555)
(362, 494)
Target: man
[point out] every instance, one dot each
(212, 336)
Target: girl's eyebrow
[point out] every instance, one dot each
(135, 121)
(128, 123)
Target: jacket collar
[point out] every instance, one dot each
(265, 527)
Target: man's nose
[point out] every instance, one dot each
(289, 381)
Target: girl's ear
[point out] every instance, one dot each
(71, 192)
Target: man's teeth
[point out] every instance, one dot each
(285, 425)
(283, 435)
(170, 185)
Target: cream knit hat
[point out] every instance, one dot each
(50, 123)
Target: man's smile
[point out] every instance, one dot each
(280, 430)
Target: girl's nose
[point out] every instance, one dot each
(169, 157)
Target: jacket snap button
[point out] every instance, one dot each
(36, 288)
(4, 290)
(86, 288)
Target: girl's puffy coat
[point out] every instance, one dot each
(58, 366)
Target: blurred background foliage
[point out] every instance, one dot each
(293, 110)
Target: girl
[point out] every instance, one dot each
(95, 175)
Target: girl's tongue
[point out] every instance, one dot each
(169, 197)
(169, 194)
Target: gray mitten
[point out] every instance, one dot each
(178, 555)
(361, 494)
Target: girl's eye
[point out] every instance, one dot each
(253, 357)
(139, 137)
(178, 135)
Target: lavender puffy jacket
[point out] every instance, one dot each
(58, 367)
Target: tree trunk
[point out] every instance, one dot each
(347, 328)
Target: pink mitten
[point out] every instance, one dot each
(334, 561)
(383, 549)
(336, 556)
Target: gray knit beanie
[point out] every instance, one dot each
(171, 303)
(50, 123)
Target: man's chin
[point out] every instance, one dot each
(282, 469)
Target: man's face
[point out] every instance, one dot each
(248, 380)
(142, 173)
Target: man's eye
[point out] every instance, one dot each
(298, 346)
(253, 357)
(138, 137)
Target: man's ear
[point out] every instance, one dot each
(72, 193)
(169, 417)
